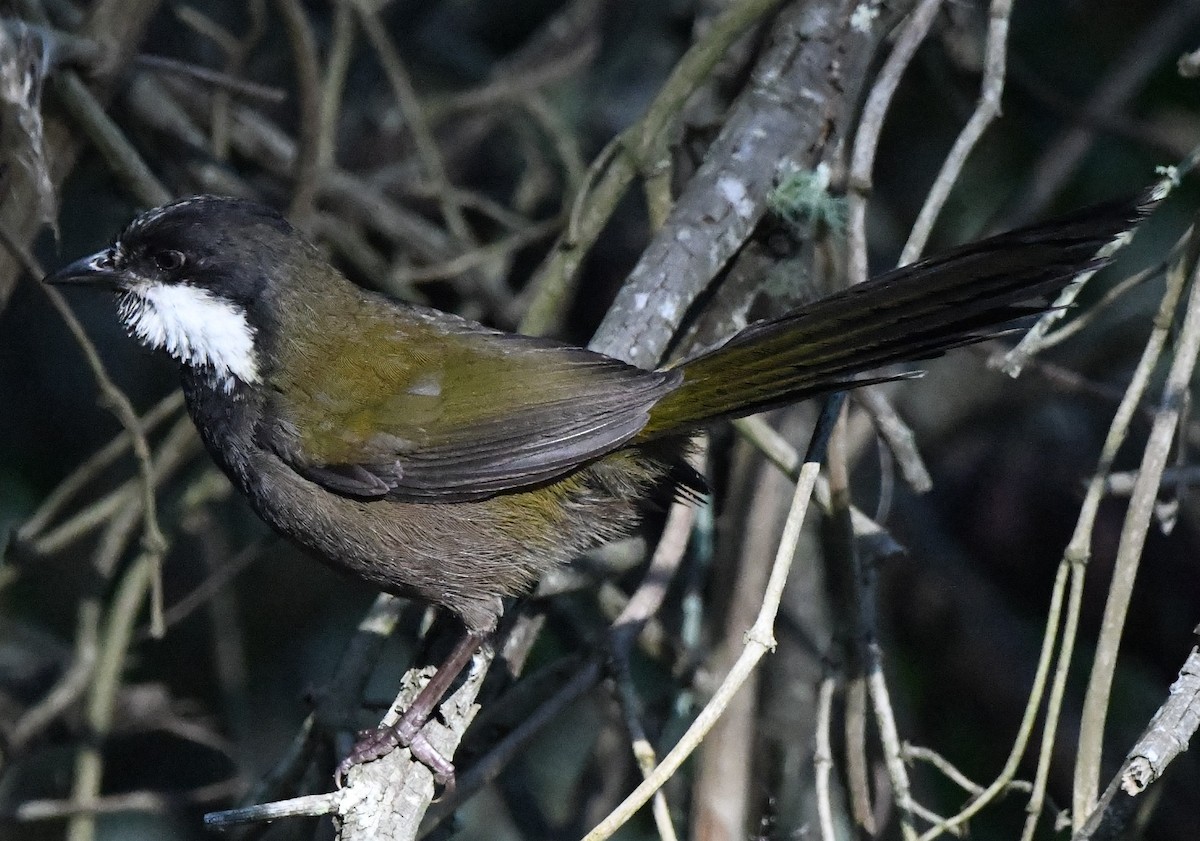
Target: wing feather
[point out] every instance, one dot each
(423, 406)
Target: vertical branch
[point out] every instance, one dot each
(759, 640)
(1129, 550)
(414, 117)
(852, 602)
(644, 604)
(724, 783)
(823, 758)
(866, 140)
(114, 646)
(336, 68)
(308, 85)
(115, 400)
(987, 110)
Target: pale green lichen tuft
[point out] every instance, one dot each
(802, 198)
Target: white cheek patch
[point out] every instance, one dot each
(194, 326)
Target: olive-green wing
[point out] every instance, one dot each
(427, 407)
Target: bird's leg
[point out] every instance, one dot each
(407, 731)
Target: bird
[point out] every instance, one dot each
(443, 460)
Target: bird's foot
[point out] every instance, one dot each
(406, 732)
(374, 744)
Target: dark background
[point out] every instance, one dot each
(961, 616)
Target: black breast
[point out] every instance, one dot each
(227, 422)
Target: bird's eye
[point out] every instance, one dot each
(168, 261)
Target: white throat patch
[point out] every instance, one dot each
(195, 326)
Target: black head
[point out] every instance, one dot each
(225, 245)
(192, 277)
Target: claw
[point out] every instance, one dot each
(375, 744)
(372, 744)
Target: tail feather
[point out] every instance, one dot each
(915, 312)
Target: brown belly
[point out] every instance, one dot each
(464, 556)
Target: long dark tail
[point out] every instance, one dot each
(916, 312)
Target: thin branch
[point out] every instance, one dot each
(308, 84)
(489, 766)
(862, 163)
(823, 759)
(914, 752)
(889, 737)
(150, 802)
(479, 256)
(308, 806)
(851, 596)
(113, 399)
(216, 78)
(1079, 549)
(1066, 593)
(71, 684)
(414, 117)
(341, 51)
(986, 111)
(119, 153)
(956, 824)
(1126, 76)
(760, 639)
(92, 468)
(114, 649)
(1034, 339)
(783, 455)
(1129, 550)
(1111, 297)
(179, 444)
(897, 435)
(1165, 738)
(866, 139)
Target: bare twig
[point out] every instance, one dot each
(308, 84)
(852, 600)
(113, 651)
(760, 639)
(308, 806)
(93, 467)
(180, 444)
(897, 435)
(119, 25)
(1118, 291)
(889, 737)
(1122, 484)
(490, 765)
(862, 163)
(216, 78)
(112, 398)
(1034, 339)
(724, 787)
(70, 685)
(1166, 736)
(1133, 536)
(784, 456)
(866, 139)
(152, 802)
(644, 604)
(479, 256)
(341, 51)
(986, 110)
(823, 758)
(123, 159)
(414, 117)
